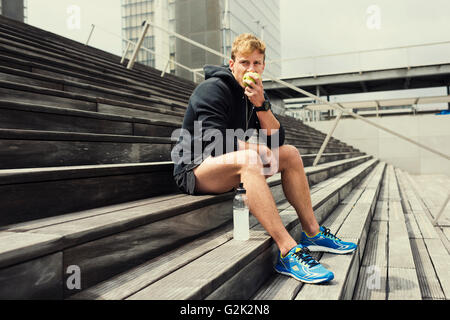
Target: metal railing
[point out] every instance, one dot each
(336, 106)
(403, 53)
(138, 46)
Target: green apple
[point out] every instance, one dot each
(250, 76)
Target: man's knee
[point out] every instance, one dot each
(291, 154)
(249, 160)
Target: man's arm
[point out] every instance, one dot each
(255, 93)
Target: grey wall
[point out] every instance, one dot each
(430, 130)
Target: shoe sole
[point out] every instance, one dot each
(303, 280)
(330, 250)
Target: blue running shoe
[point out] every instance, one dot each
(300, 265)
(325, 241)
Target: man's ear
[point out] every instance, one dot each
(231, 64)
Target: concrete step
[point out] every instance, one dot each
(211, 267)
(109, 240)
(350, 222)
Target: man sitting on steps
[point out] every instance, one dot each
(226, 101)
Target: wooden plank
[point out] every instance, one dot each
(355, 222)
(412, 227)
(26, 79)
(19, 153)
(333, 290)
(135, 279)
(41, 223)
(399, 249)
(403, 284)
(428, 280)
(114, 254)
(441, 260)
(376, 248)
(28, 201)
(280, 287)
(427, 229)
(209, 271)
(12, 94)
(124, 285)
(55, 120)
(78, 225)
(345, 267)
(17, 247)
(246, 281)
(40, 278)
(371, 283)
(353, 197)
(381, 211)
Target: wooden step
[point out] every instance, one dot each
(349, 221)
(31, 149)
(106, 89)
(229, 256)
(37, 148)
(388, 270)
(52, 41)
(33, 53)
(431, 258)
(128, 234)
(14, 115)
(28, 194)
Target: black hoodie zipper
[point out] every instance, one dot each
(247, 118)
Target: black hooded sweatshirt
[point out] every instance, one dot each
(217, 103)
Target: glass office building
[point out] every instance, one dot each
(214, 23)
(14, 9)
(161, 46)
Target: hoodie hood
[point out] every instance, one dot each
(223, 73)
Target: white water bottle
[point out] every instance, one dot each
(240, 215)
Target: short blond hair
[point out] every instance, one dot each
(247, 43)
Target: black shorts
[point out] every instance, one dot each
(185, 180)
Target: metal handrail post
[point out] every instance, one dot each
(165, 68)
(441, 211)
(327, 139)
(125, 53)
(138, 46)
(90, 34)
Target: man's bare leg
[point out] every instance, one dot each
(220, 174)
(296, 188)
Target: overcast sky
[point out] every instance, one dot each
(308, 28)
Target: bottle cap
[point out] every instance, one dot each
(241, 189)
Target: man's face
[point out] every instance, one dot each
(243, 63)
